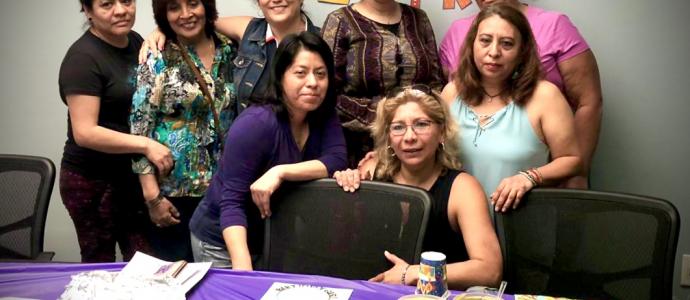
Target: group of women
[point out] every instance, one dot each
(222, 110)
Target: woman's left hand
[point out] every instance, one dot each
(348, 179)
(394, 275)
(263, 188)
(509, 192)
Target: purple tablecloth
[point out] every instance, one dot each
(47, 281)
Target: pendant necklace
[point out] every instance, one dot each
(491, 97)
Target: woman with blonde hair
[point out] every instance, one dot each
(415, 140)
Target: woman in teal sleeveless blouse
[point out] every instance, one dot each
(510, 120)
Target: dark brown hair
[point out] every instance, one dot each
(527, 72)
(160, 14)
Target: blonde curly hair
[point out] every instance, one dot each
(433, 106)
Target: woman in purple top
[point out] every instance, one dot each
(295, 135)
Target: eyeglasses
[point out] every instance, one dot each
(419, 127)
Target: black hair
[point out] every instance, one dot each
(160, 14)
(289, 48)
(85, 3)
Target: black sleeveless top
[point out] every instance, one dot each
(439, 235)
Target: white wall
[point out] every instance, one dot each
(641, 46)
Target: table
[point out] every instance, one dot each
(47, 281)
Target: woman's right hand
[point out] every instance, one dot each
(349, 179)
(164, 214)
(156, 38)
(159, 155)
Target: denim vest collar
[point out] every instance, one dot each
(256, 32)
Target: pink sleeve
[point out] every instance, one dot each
(567, 39)
(449, 49)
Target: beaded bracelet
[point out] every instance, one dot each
(529, 176)
(403, 274)
(537, 175)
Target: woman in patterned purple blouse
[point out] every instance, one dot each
(377, 46)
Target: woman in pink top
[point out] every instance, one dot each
(567, 61)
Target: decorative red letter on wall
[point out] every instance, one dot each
(450, 4)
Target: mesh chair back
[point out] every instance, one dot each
(592, 245)
(26, 183)
(317, 228)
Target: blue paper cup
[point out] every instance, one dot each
(432, 275)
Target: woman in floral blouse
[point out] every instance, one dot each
(170, 107)
(377, 46)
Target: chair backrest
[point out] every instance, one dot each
(26, 183)
(317, 228)
(588, 244)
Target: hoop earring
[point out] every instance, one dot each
(391, 150)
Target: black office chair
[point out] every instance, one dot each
(591, 245)
(26, 183)
(317, 228)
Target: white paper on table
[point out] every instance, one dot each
(290, 291)
(142, 265)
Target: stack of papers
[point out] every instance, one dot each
(182, 274)
(144, 277)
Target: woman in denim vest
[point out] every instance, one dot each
(259, 38)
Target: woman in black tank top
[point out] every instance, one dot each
(416, 145)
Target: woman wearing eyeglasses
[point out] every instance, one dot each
(416, 143)
(377, 45)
